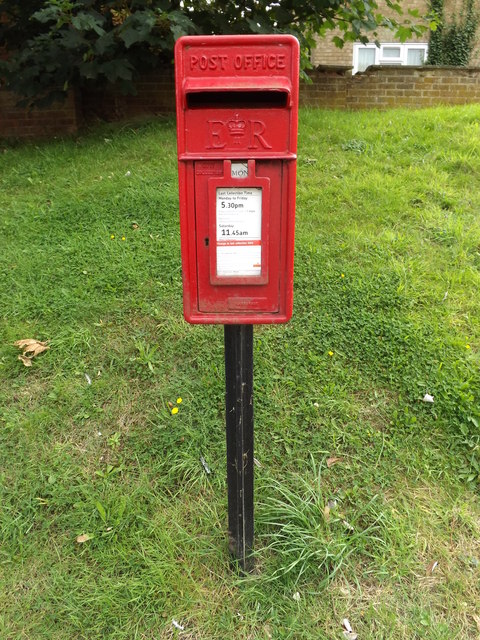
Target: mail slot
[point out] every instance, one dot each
(237, 114)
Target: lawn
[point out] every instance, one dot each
(366, 495)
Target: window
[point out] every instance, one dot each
(416, 56)
(365, 55)
(391, 52)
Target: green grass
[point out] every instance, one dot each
(386, 280)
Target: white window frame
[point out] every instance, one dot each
(381, 59)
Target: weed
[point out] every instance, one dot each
(145, 359)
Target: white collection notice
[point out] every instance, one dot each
(239, 232)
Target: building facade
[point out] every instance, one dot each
(359, 56)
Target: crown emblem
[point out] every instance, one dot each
(236, 127)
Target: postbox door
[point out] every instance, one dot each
(241, 272)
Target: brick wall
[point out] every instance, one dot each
(18, 122)
(387, 87)
(331, 88)
(155, 94)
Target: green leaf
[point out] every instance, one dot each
(104, 43)
(101, 511)
(403, 33)
(49, 14)
(72, 39)
(120, 509)
(88, 22)
(88, 70)
(137, 27)
(119, 69)
(183, 21)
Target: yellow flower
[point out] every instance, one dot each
(112, 237)
(330, 353)
(467, 346)
(179, 401)
(343, 275)
(123, 238)
(174, 410)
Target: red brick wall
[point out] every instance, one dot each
(18, 122)
(155, 94)
(386, 87)
(331, 88)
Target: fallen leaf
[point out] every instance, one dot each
(84, 537)
(26, 361)
(431, 567)
(40, 348)
(326, 513)
(332, 461)
(296, 596)
(30, 348)
(428, 398)
(24, 343)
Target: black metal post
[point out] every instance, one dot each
(239, 423)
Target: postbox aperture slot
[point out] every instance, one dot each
(237, 99)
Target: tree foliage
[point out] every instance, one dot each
(73, 42)
(453, 41)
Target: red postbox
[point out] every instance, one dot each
(237, 113)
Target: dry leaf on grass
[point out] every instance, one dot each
(30, 348)
(84, 538)
(26, 361)
(431, 567)
(332, 461)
